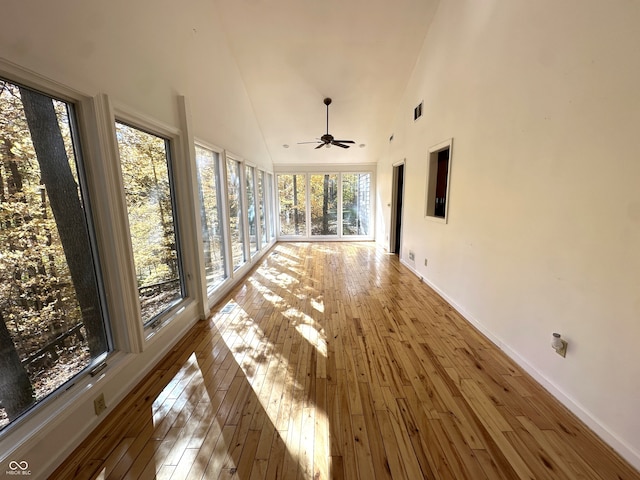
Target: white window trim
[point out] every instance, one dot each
(26, 432)
(371, 203)
(309, 170)
(254, 170)
(139, 334)
(224, 219)
(246, 266)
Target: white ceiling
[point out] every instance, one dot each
(294, 53)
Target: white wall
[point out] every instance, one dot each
(141, 58)
(542, 100)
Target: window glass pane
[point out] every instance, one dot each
(144, 159)
(324, 204)
(208, 173)
(291, 191)
(261, 208)
(236, 222)
(251, 209)
(356, 203)
(271, 207)
(51, 321)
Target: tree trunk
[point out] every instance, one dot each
(295, 204)
(16, 392)
(325, 206)
(67, 209)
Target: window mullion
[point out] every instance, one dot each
(226, 214)
(340, 214)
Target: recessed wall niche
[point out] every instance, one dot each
(438, 181)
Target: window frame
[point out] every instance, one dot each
(308, 171)
(371, 205)
(338, 186)
(263, 215)
(224, 220)
(84, 127)
(246, 166)
(294, 237)
(141, 333)
(242, 268)
(271, 207)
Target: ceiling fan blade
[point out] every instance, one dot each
(327, 139)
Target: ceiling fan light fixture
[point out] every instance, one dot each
(327, 139)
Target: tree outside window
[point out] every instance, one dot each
(52, 325)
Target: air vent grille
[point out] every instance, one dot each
(417, 112)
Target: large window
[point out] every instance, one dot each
(271, 207)
(251, 209)
(236, 219)
(51, 320)
(292, 201)
(146, 174)
(317, 203)
(261, 208)
(324, 204)
(209, 190)
(356, 203)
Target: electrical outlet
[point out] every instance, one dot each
(425, 262)
(412, 256)
(99, 404)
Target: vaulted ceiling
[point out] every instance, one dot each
(293, 53)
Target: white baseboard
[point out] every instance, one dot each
(623, 448)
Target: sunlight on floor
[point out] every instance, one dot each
(277, 375)
(268, 294)
(311, 335)
(243, 382)
(319, 306)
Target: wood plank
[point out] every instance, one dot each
(335, 361)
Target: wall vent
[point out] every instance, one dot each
(417, 112)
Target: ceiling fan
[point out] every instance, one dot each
(327, 139)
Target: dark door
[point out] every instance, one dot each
(399, 176)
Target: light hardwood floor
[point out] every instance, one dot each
(334, 361)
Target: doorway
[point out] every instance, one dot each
(397, 192)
